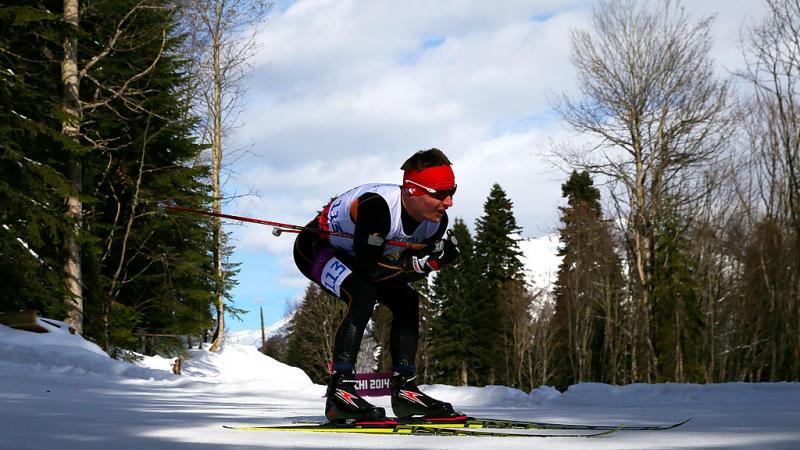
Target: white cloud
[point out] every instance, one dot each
(346, 90)
(336, 73)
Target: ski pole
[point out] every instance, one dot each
(278, 227)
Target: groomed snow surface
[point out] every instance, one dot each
(58, 391)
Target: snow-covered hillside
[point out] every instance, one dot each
(541, 260)
(253, 337)
(58, 391)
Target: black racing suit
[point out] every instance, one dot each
(374, 278)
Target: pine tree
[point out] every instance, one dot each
(455, 340)
(497, 249)
(140, 271)
(32, 188)
(144, 272)
(677, 315)
(496, 240)
(313, 327)
(587, 290)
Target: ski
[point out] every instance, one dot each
(482, 422)
(485, 422)
(429, 429)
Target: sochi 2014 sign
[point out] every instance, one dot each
(373, 384)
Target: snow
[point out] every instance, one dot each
(253, 337)
(540, 259)
(58, 391)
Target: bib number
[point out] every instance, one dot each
(333, 275)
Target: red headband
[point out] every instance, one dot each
(438, 177)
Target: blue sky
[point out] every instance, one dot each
(345, 90)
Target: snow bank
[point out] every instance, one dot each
(464, 396)
(241, 367)
(62, 353)
(57, 336)
(663, 394)
(239, 363)
(84, 396)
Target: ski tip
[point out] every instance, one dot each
(610, 431)
(674, 425)
(681, 423)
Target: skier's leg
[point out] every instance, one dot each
(403, 301)
(332, 270)
(407, 399)
(360, 296)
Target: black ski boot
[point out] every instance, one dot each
(344, 403)
(407, 401)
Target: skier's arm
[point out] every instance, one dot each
(439, 251)
(373, 221)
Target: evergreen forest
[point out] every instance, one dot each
(679, 225)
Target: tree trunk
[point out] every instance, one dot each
(70, 127)
(216, 155)
(263, 333)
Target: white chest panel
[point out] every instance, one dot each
(339, 218)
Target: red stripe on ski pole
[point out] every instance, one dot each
(280, 227)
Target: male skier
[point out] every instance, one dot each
(361, 272)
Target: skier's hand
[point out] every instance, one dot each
(437, 255)
(450, 252)
(423, 264)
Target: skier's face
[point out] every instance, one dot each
(427, 207)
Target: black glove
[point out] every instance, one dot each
(450, 252)
(434, 256)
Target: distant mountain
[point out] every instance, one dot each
(540, 256)
(253, 337)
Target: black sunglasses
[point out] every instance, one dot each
(441, 194)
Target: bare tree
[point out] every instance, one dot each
(263, 333)
(772, 52)
(587, 289)
(221, 44)
(717, 240)
(540, 371)
(74, 107)
(517, 331)
(649, 97)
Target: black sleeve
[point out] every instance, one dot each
(373, 221)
